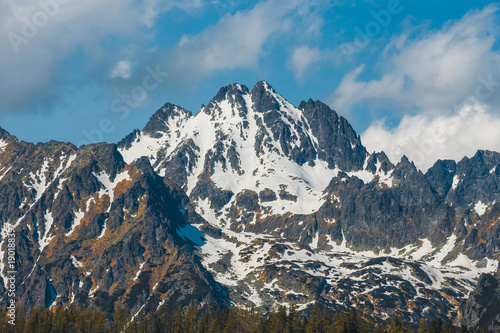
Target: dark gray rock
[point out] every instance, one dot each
(267, 195)
(482, 309)
(478, 179)
(440, 176)
(265, 102)
(158, 122)
(338, 144)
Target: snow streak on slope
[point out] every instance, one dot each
(4, 171)
(76, 222)
(109, 186)
(145, 146)
(44, 240)
(39, 180)
(456, 180)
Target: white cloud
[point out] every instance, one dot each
(103, 33)
(239, 40)
(434, 71)
(443, 85)
(236, 41)
(303, 57)
(121, 69)
(428, 137)
(38, 36)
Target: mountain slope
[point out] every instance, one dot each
(298, 211)
(93, 230)
(255, 202)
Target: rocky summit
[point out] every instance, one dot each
(255, 202)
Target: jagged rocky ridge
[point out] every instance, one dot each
(298, 209)
(283, 204)
(95, 231)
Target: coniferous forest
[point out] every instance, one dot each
(209, 320)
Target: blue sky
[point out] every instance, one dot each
(413, 77)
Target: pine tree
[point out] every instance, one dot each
(204, 322)
(121, 318)
(133, 327)
(32, 322)
(464, 329)
(155, 323)
(294, 322)
(60, 320)
(143, 323)
(178, 321)
(216, 324)
(353, 322)
(448, 328)
(231, 324)
(83, 318)
(20, 320)
(98, 322)
(45, 323)
(379, 329)
(190, 319)
(436, 326)
(423, 326)
(256, 324)
(276, 321)
(397, 326)
(3, 321)
(313, 325)
(166, 319)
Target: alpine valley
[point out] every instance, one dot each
(252, 202)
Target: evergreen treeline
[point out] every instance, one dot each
(206, 320)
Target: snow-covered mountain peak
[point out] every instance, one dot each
(167, 117)
(251, 142)
(229, 91)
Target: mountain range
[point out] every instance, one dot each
(253, 202)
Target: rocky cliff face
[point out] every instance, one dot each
(472, 188)
(93, 230)
(252, 201)
(482, 307)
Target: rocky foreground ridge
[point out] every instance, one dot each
(255, 202)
